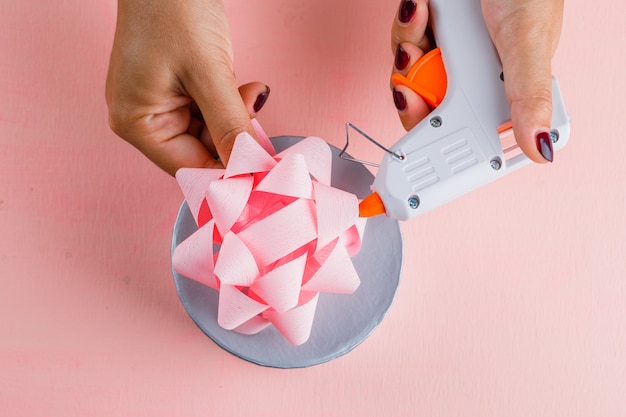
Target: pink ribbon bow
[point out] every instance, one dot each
(272, 234)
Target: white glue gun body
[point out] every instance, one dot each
(457, 147)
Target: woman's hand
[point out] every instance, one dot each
(525, 33)
(171, 90)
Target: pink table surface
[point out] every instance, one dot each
(512, 300)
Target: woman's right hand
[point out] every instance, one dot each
(525, 33)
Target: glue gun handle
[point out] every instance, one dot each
(457, 147)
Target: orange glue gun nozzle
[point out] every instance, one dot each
(371, 206)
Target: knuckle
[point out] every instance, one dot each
(123, 121)
(395, 40)
(116, 115)
(227, 140)
(540, 97)
(118, 120)
(544, 96)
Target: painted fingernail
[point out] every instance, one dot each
(544, 144)
(260, 100)
(407, 11)
(399, 99)
(402, 58)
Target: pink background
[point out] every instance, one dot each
(512, 301)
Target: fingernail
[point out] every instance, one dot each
(544, 144)
(399, 99)
(260, 100)
(407, 11)
(402, 58)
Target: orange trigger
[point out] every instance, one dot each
(427, 77)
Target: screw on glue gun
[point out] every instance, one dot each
(457, 147)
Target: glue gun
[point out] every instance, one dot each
(457, 147)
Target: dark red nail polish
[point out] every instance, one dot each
(260, 100)
(544, 144)
(399, 99)
(402, 58)
(407, 11)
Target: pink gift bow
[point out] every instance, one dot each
(284, 235)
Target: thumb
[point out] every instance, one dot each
(528, 84)
(525, 41)
(215, 91)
